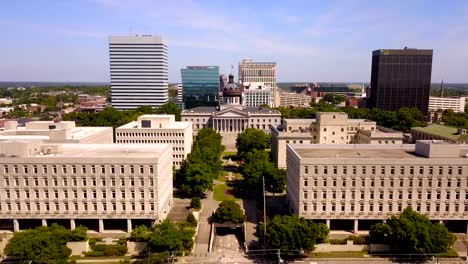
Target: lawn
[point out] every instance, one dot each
(230, 153)
(222, 192)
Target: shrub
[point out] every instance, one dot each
(191, 220)
(337, 241)
(195, 203)
(358, 240)
(94, 254)
(122, 241)
(93, 240)
(80, 233)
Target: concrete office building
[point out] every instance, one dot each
(201, 86)
(400, 78)
(328, 128)
(351, 187)
(256, 94)
(159, 129)
(100, 186)
(294, 99)
(231, 118)
(138, 71)
(457, 104)
(251, 71)
(57, 132)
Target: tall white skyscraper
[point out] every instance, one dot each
(138, 71)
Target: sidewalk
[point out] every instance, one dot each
(204, 227)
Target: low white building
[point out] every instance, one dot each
(57, 132)
(351, 187)
(159, 129)
(101, 186)
(328, 128)
(294, 99)
(457, 104)
(255, 94)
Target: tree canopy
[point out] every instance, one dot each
(44, 244)
(169, 108)
(229, 212)
(257, 165)
(202, 166)
(166, 236)
(251, 140)
(459, 120)
(295, 234)
(412, 233)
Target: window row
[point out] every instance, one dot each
(151, 141)
(75, 194)
(395, 182)
(67, 208)
(28, 169)
(448, 195)
(85, 182)
(381, 208)
(149, 134)
(384, 170)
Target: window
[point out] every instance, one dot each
(306, 169)
(305, 183)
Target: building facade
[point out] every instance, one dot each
(294, 99)
(231, 118)
(57, 132)
(362, 184)
(100, 186)
(456, 104)
(201, 85)
(159, 129)
(251, 71)
(138, 71)
(257, 94)
(328, 128)
(400, 78)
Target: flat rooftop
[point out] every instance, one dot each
(441, 130)
(111, 150)
(76, 133)
(175, 125)
(341, 151)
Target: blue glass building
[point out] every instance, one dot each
(200, 86)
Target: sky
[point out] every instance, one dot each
(311, 40)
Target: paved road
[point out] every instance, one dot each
(203, 236)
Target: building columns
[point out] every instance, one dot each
(327, 222)
(356, 226)
(15, 225)
(129, 225)
(101, 226)
(72, 224)
(44, 222)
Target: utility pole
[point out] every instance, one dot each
(279, 256)
(264, 214)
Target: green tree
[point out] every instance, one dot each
(251, 140)
(80, 233)
(294, 234)
(145, 109)
(195, 203)
(141, 233)
(412, 233)
(202, 166)
(276, 181)
(191, 220)
(40, 245)
(258, 165)
(228, 212)
(169, 108)
(168, 236)
(334, 99)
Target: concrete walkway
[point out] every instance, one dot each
(179, 210)
(204, 228)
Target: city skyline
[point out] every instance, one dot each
(330, 41)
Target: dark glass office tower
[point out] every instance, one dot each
(200, 86)
(400, 78)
